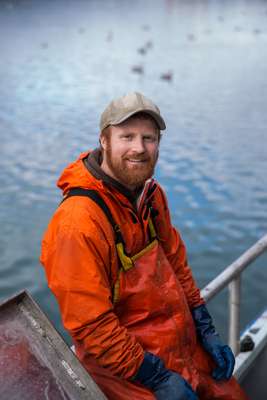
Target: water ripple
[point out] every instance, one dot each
(213, 156)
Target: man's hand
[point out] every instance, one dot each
(165, 384)
(221, 354)
(174, 387)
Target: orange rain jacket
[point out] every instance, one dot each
(81, 264)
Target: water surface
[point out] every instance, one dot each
(63, 61)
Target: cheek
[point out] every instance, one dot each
(121, 149)
(154, 152)
(117, 153)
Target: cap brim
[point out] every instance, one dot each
(158, 119)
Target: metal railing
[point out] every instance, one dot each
(231, 276)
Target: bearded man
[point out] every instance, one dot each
(119, 271)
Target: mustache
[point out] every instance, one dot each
(137, 157)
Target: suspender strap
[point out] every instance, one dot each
(126, 261)
(95, 196)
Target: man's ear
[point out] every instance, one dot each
(103, 141)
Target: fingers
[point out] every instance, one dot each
(230, 361)
(225, 368)
(219, 357)
(218, 374)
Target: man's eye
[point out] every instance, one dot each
(127, 137)
(149, 138)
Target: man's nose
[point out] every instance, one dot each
(138, 146)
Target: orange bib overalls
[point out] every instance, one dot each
(150, 303)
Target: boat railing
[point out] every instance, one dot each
(231, 277)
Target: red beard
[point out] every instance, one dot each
(133, 175)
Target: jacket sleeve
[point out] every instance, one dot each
(77, 263)
(175, 249)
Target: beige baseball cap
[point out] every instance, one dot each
(124, 107)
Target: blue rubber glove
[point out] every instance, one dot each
(221, 354)
(165, 384)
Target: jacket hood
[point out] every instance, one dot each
(77, 175)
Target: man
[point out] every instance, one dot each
(119, 271)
